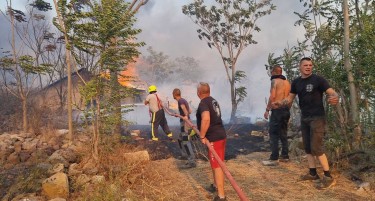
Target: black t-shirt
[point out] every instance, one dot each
(216, 129)
(310, 94)
(183, 102)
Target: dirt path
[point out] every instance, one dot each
(244, 155)
(257, 181)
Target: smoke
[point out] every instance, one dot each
(167, 29)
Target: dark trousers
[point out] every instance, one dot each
(278, 131)
(158, 118)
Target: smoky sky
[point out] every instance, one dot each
(168, 30)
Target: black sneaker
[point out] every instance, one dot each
(217, 198)
(326, 182)
(309, 177)
(212, 188)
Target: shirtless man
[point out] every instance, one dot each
(278, 125)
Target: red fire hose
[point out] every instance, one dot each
(221, 163)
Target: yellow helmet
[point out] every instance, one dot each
(152, 88)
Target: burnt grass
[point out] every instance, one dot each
(240, 144)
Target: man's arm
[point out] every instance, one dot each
(271, 99)
(205, 124)
(184, 109)
(285, 102)
(146, 102)
(333, 97)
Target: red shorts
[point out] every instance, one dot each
(219, 147)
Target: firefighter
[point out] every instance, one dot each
(157, 114)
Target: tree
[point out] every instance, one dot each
(158, 68)
(103, 28)
(21, 69)
(352, 85)
(228, 26)
(337, 38)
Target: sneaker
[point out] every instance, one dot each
(284, 159)
(217, 198)
(212, 188)
(188, 165)
(170, 135)
(193, 165)
(326, 182)
(270, 162)
(309, 177)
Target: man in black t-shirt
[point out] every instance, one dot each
(212, 129)
(310, 88)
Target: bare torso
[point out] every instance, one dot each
(279, 90)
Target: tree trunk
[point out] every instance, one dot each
(24, 115)
(96, 130)
(234, 102)
(352, 87)
(69, 73)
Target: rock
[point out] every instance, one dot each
(62, 131)
(17, 146)
(57, 199)
(56, 186)
(57, 158)
(90, 168)
(13, 158)
(58, 167)
(73, 170)
(30, 144)
(236, 135)
(82, 180)
(97, 179)
(138, 156)
(24, 156)
(4, 154)
(69, 155)
(28, 197)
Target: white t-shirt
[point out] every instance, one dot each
(153, 102)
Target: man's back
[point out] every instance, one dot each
(280, 89)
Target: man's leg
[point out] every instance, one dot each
(218, 174)
(274, 133)
(154, 125)
(164, 124)
(219, 181)
(306, 139)
(284, 133)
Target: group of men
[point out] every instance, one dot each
(309, 88)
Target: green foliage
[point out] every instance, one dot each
(103, 28)
(41, 5)
(324, 38)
